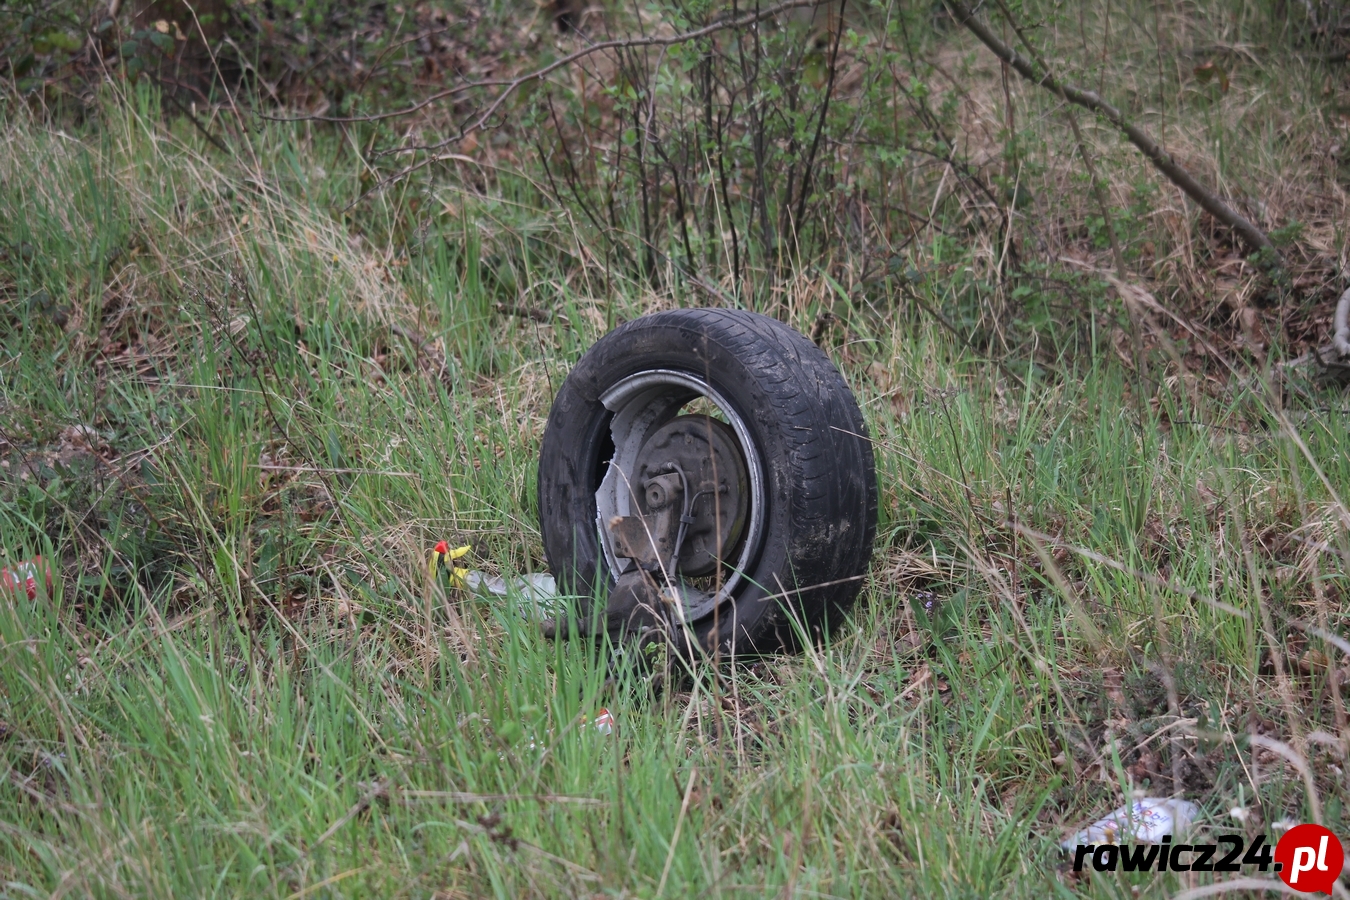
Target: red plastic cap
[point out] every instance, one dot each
(442, 548)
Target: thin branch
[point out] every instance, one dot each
(1254, 237)
(513, 84)
(1098, 189)
(964, 338)
(820, 123)
(197, 123)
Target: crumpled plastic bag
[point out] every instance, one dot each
(1144, 821)
(537, 592)
(539, 587)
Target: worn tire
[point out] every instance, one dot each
(820, 487)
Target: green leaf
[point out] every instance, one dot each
(59, 40)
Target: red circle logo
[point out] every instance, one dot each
(1309, 858)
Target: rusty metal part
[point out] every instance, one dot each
(635, 608)
(664, 490)
(652, 540)
(641, 405)
(643, 539)
(693, 502)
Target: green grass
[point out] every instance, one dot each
(247, 684)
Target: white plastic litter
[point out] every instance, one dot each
(539, 590)
(539, 586)
(1144, 821)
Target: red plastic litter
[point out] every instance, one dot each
(24, 577)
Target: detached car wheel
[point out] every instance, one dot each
(707, 472)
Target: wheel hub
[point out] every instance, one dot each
(671, 473)
(690, 483)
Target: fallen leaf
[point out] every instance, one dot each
(1210, 71)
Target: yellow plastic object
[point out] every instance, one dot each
(441, 554)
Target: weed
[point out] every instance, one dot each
(241, 396)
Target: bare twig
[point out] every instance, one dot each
(196, 122)
(820, 123)
(1233, 885)
(1254, 237)
(509, 86)
(1098, 190)
(513, 84)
